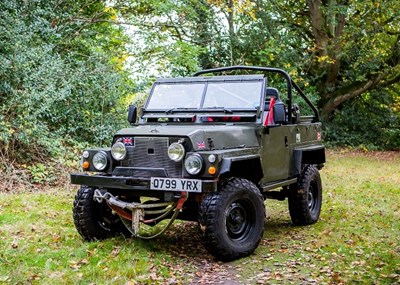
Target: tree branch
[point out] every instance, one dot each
(358, 90)
(390, 81)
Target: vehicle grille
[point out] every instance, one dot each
(149, 152)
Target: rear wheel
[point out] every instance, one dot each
(232, 220)
(93, 220)
(305, 198)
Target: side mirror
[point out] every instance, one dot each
(132, 114)
(279, 113)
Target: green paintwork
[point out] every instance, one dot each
(271, 156)
(278, 146)
(223, 136)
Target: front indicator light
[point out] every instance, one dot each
(212, 170)
(85, 165)
(193, 164)
(100, 160)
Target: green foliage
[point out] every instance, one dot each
(371, 121)
(61, 82)
(40, 173)
(335, 51)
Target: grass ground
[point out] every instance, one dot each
(356, 241)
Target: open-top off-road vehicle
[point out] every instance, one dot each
(207, 149)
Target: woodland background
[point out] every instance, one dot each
(69, 69)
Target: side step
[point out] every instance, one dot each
(278, 195)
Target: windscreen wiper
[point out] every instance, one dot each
(172, 110)
(226, 110)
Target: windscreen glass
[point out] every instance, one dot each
(168, 96)
(233, 95)
(228, 94)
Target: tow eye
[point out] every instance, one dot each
(132, 214)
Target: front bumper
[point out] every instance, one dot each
(128, 183)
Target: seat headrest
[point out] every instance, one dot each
(272, 92)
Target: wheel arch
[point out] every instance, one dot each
(247, 167)
(314, 155)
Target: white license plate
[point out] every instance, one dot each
(175, 184)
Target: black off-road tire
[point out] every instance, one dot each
(305, 198)
(232, 220)
(95, 221)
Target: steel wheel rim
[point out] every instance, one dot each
(312, 196)
(240, 219)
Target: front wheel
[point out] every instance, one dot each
(93, 220)
(305, 198)
(232, 220)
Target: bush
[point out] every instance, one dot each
(61, 82)
(371, 121)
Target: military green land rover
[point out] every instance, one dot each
(208, 148)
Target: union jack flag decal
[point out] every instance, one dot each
(127, 141)
(201, 144)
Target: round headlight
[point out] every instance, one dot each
(118, 151)
(193, 164)
(100, 160)
(176, 152)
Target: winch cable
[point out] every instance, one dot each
(127, 215)
(178, 208)
(118, 207)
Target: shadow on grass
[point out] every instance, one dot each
(183, 240)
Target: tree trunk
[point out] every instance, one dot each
(231, 30)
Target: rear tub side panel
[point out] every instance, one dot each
(307, 155)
